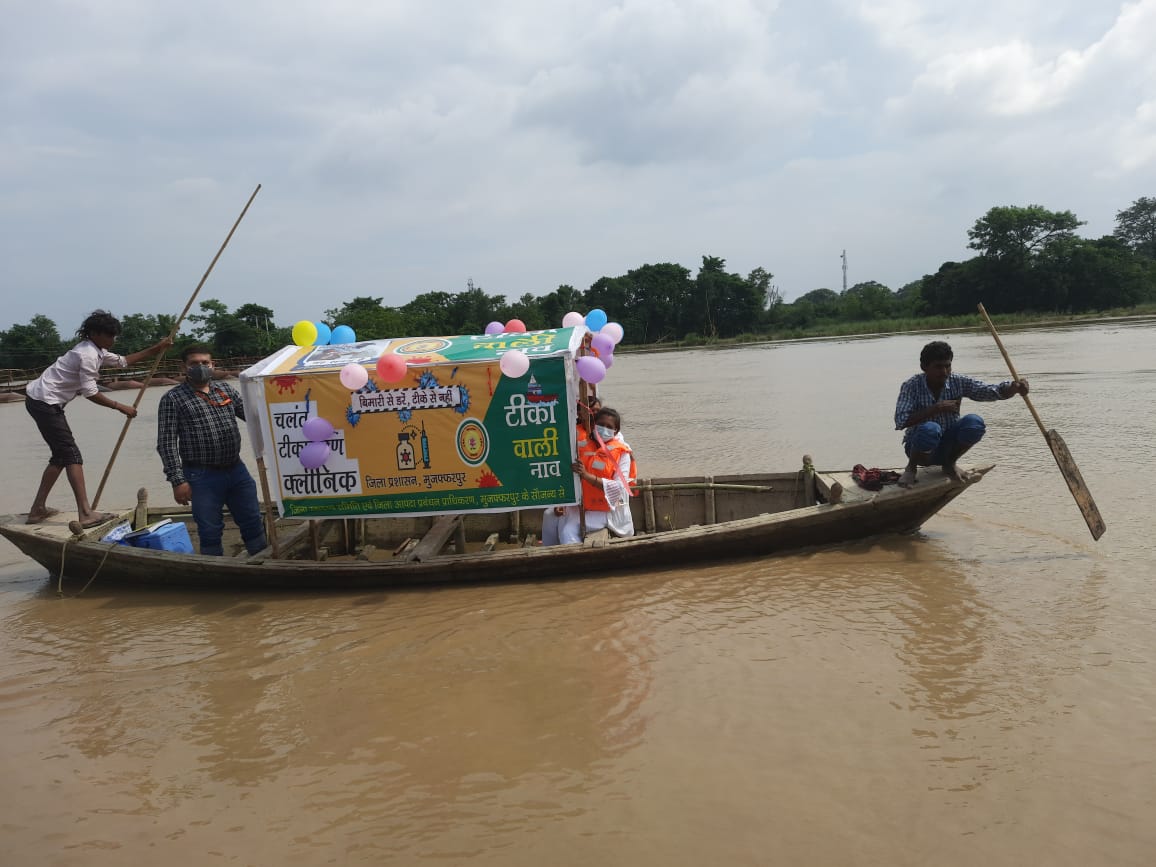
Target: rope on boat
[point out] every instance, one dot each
(60, 576)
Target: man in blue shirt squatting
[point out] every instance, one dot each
(928, 412)
(200, 447)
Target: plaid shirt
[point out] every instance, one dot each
(914, 395)
(198, 428)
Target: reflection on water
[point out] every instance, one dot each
(982, 690)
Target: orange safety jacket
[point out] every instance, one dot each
(604, 464)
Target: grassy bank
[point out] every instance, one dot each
(874, 327)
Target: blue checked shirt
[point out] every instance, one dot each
(198, 428)
(914, 395)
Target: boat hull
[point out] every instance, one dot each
(820, 522)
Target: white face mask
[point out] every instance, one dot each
(607, 433)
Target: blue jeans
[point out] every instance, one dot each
(942, 442)
(212, 490)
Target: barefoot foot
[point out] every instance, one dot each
(907, 479)
(963, 477)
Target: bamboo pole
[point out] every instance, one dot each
(270, 510)
(172, 336)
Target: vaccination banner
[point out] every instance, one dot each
(454, 435)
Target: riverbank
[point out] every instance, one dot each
(888, 327)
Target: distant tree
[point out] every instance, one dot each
(760, 279)
(1136, 227)
(36, 344)
(722, 304)
(1084, 275)
(555, 305)
(655, 296)
(368, 318)
(866, 301)
(1017, 233)
(228, 334)
(429, 314)
(140, 330)
(824, 303)
(909, 299)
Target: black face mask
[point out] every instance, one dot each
(199, 374)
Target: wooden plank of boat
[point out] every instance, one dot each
(432, 542)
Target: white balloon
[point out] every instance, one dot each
(514, 363)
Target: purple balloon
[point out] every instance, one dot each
(317, 428)
(314, 455)
(591, 369)
(607, 360)
(603, 343)
(495, 328)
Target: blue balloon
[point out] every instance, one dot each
(323, 334)
(342, 334)
(595, 319)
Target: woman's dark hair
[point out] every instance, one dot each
(611, 414)
(98, 322)
(937, 350)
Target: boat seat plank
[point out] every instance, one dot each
(285, 544)
(435, 539)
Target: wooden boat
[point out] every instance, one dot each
(678, 521)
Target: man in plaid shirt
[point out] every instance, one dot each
(200, 447)
(928, 412)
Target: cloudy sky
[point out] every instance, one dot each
(406, 147)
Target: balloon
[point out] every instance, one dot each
(304, 333)
(495, 328)
(391, 368)
(514, 363)
(342, 334)
(595, 319)
(323, 334)
(353, 376)
(591, 369)
(573, 319)
(614, 330)
(515, 326)
(602, 344)
(317, 428)
(314, 455)
(607, 360)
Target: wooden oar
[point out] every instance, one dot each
(172, 335)
(1064, 460)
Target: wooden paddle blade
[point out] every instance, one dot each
(1080, 492)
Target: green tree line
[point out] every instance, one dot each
(1028, 260)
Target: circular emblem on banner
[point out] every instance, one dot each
(473, 442)
(423, 346)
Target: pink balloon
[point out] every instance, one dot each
(602, 344)
(353, 376)
(613, 330)
(317, 428)
(514, 363)
(515, 326)
(494, 328)
(591, 369)
(573, 319)
(391, 368)
(314, 455)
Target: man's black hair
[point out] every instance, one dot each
(937, 350)
(98, 322)
(195, 349)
